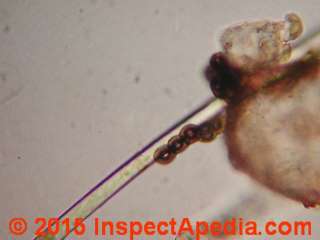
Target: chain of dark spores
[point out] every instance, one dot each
(189, 134)
(209, 130)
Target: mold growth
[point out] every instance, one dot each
(271, 121)
(272, 125)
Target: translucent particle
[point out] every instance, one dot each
(251, 45)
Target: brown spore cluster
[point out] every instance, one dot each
(188, 135)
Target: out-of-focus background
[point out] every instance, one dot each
(84, 84)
